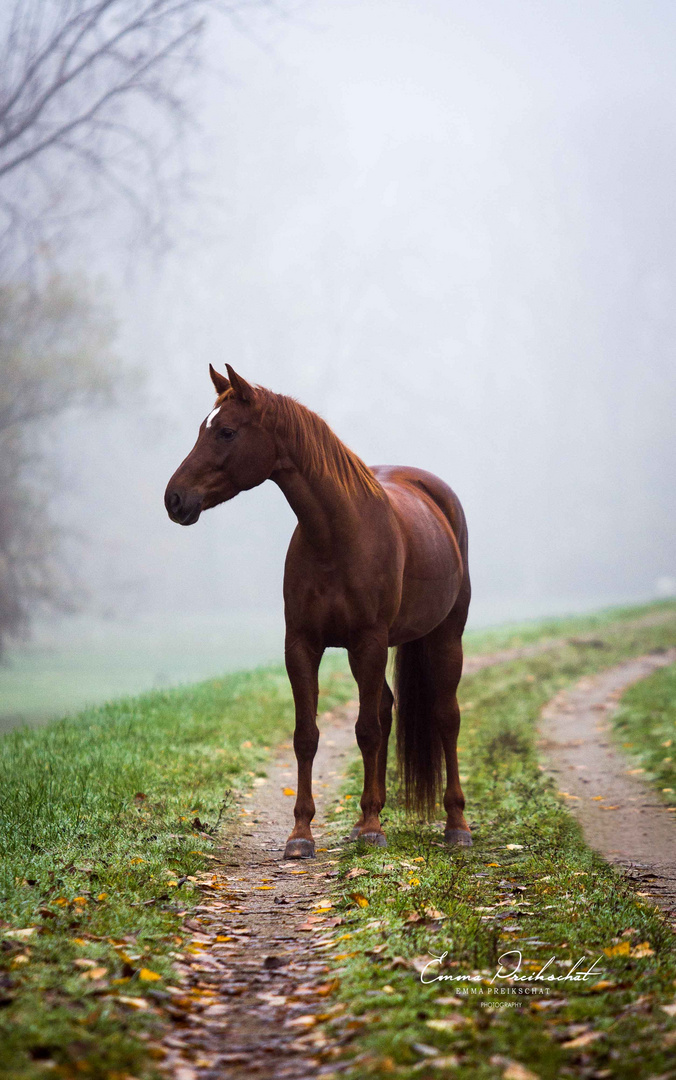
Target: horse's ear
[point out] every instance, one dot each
(220, 382)
(242, 389)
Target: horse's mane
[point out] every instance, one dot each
(313, 446)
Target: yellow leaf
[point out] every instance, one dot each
(223, 937)
(264, 886)
(289, 791)
(135, 862)
(102, 896)
(359, 899)
(623, 949)
(597, 798)
(418, 859)
(643, 949)
(610, 808)
(148, 976)
(80, 900)
(492, 864)
(78, 941)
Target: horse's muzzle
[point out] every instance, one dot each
(181, 507)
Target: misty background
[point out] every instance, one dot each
(448, 228)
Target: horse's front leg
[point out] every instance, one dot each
(302, 665)
(368, 660)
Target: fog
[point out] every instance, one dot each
(447, 227)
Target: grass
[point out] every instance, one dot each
(645, 726)
(528, 884)
(104, 820)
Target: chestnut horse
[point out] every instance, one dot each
(378, 559)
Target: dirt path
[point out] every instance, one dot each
(621, 816)
(248, 1003)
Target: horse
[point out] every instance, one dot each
(378, 560)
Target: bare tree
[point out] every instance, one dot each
(93, 90)
(54, 356)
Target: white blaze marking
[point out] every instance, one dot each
(212, 414)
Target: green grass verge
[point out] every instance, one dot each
(645, 726)
(546, 895)
(97, 847)
(516, 635)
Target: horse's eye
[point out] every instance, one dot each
(226, 433)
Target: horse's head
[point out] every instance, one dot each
(233, 453)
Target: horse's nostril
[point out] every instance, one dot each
(174, 502)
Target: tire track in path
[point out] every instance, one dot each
(621, 816)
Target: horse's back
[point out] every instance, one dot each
(406, 478)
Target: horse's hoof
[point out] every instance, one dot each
(299, 849)
(458, 836)
(354, 834)
(377, 839)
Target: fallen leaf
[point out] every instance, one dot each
(132, 1002)
(357, 872)
(434, 913)
(582, 1040)
(95, 973)
(670, 1010)
(146, 975)
(623, 949)
(448, 1023)
(305, 1021)
(289, 791)
(609, 808)
(516, 1071)
(643, 949)
(514, 847)
(359, 899)
(21, 935)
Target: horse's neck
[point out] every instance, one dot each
(327, 515)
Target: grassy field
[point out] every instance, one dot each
(106, 819)
(645, 727)
(530, 884)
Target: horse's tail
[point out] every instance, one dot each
(419, 746)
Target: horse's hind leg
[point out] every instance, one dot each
(386, 703)
(445, 655)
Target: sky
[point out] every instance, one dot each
(448, 227)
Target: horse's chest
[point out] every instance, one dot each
(331, 605)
